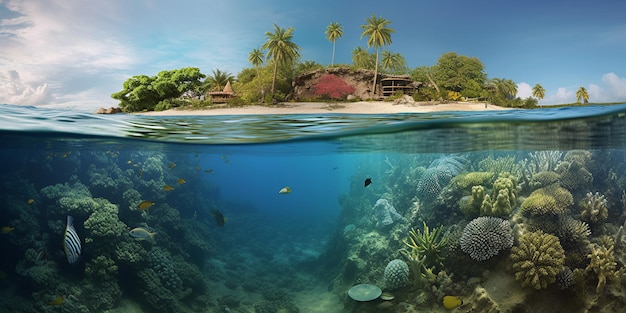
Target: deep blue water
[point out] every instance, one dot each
(237, 165)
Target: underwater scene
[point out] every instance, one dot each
(496, 211)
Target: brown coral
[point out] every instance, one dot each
(537, 259)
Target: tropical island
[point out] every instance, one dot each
(279, 78)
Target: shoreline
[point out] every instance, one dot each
(360, 107)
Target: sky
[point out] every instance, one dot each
(76, 53)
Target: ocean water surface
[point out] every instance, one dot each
(222, 237)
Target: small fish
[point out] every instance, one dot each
(182, 181)
(72, 241)
(367, 182)
(452, 302)
(172, 165)
(129, 162)
(56, 301)
(30, 201)
(168, 188)
(140, 173)
(220, 219)
(285, 189)
(141, 233)
(208, 171)
(144, 205)
(7, 229)
(41, 256)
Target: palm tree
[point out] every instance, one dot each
(506, 87)
(362, 58)
(393, 62)
(378, 34)
(333, 32)
(280, 49)
(218, 80)
(582, 94)
(256, 58)
(539, 92)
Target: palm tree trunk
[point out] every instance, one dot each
(375, 75)
(332, 62)
(274, 79)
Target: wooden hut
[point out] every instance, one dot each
(222, 96)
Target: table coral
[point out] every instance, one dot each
(538, 259)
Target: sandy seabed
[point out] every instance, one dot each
(361, 107)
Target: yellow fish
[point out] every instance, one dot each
(168, 188)
(452, 302)
(285, 189)
(172, 165)
(144, 205)
(7, 229)
(30, 201)
(129, 162)
(182, 181)
(56, 301)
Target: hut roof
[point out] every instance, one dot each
(228, 88)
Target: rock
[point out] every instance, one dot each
(405, 99)
(110, 110)
(351, 97)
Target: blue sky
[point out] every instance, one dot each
(76, 53)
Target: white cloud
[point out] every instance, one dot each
(13, 90)
(615, 85)
(612, 89)
(563, 95)
(524, 90)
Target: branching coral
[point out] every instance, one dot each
(537, 259)
(500, 165)
(604, 265)
(429, 244)
(572, 232)
(574, 175)
(594, 208)
(104, 222)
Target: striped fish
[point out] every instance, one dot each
(72, 242)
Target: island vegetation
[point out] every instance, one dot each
(277, 62)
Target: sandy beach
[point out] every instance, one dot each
(361, 107)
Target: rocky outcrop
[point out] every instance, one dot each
(110, 110)
(360, 79)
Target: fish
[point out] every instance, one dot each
(41, 256)
(208, 171)
(144, 205)
(172, 165)
(30, 201)
(129, 162)
(368, 181)
(140, 173)
(220, 219)
(168, 188)
(452, 302)
(7, 229)
(56, 301)
(72, 241)
(285, 189)
(182, 181)
(141, 233)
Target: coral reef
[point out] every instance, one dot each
(537, 259)
(385, 214)
(574, 174)
(438, 175)
(484, 237)
(594, 208)
(551, 200)
(565, 278)
(396, 274)
(572, 232)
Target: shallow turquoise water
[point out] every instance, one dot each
(237, 165)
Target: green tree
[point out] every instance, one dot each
(256, 58)
(582, 94)
(378, 34)
(459, 73)
(307, 66)
(217, 81)
(363, 59)
(280, 49)
(333, 32)
(144, 93)
(393, 63)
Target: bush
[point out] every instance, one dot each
(332, 87)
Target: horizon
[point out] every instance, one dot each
(64, 54)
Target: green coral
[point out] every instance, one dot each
(594, 208)
(467, 180)
(104, 222)
(101, 268)
(544, 179)
(537, 259)
(429, 244)
(574, 175)
(549, 200)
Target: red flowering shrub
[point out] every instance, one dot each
(333, 87)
